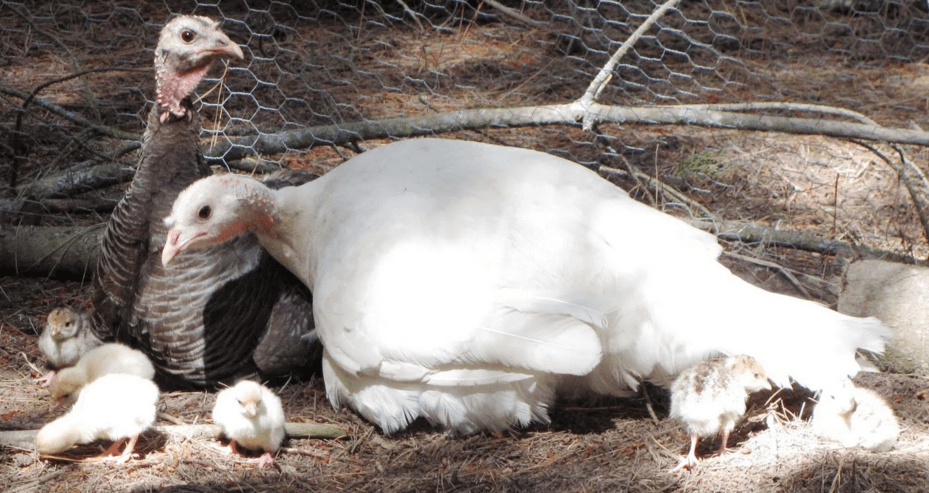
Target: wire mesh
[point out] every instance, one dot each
(313, 64)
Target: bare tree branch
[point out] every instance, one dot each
(25, 439)
(559, 114)
(606, 71)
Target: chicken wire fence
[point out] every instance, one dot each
(343, 72)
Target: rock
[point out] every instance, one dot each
(898, 294)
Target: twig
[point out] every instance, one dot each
(648, 403)
(71, 116)
(515, 14)
(659, 186)
(786, 273)
(307, 452)
(599, 82)
(77, 62)
(910, 187)
(412, 13)
(25, 439)
(17, 128)
(784, 106)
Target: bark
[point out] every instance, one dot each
(25, 439)
(67, 252)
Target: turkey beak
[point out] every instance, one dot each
(221, 45)
(172, 247)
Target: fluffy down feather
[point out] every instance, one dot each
(465, 282)
(66, 337)
(112, 407)
(855, 417)
(709, 398)
(251, 415)
(103, 360)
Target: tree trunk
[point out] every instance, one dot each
(67, 252)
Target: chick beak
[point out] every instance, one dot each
(251, 409)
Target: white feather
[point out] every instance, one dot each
(112, 407)
(437, 266)
(102, 360)
(855, 417)
(261, 430)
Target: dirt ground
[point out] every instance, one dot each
(832, 188)
(608, 445)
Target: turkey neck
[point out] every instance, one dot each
(276, 218)
(169, 160)
(173, 160)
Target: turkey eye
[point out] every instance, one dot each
(188, 36)
(205, 212)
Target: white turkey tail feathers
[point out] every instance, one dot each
(805, 341)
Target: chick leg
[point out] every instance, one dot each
(46, 380)
(127, 453)
(691, 460)
(113, 449)
(265, 460)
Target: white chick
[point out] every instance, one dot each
(252, 416)
(102, 360)
(66, 337)
(710, 397)
(113, 407)
(855, 417)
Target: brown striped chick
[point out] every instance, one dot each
(855, 417)
(66, 337)
(709, 398)
(251, 416)
(102, 360)
(114, 407)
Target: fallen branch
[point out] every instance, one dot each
(558, 114)
(50, 251)
(25, 439)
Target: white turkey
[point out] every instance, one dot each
(463, 282)
(114, 407)
(102, 360)
(855, 417)
(709, 398)
(251, 417)
(232, 310)
(66, 337)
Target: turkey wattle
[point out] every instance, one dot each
(227, 311)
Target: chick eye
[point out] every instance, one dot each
(188, 36)
(205, 212)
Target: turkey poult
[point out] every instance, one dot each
(103, 360)
(225, 312)
(67, 336)
(855, 417)
(251, 416)
(709, 398)
(465, 282)
(113, 407)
